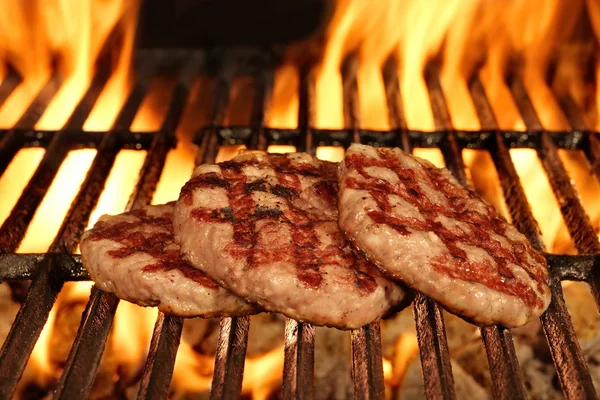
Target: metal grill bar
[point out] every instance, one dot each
(556, 322)
(429, 320)
(367, 362)
(23, 266)
(13, 140)
(575, 217)
(167, 330)
(230, 358)
(161, 358)
(87, 350)
(10, 82)
(50, 270)
(299, 344)
(45, 286)
(504, 366)
(233, 333)
(37, 107)
(298, 360)
(577, 220)
(573, 213)
(306, 112)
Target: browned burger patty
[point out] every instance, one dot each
(419, 225)
(134, 256)
(265, 226)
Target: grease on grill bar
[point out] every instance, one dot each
(49, 271)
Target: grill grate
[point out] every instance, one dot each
(49, 271)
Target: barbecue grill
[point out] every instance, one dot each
(49, 271)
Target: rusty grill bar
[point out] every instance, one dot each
(49, 271)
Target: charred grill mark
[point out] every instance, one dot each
(208, 180)
(306, 254)
(455, 263)
(191, 273)
(242, 208)
(265, 212)
(305, 242)
(224, 214)
(305, 250)
(235, 167)
(300, 170)
(158, 245)
(285, 192)
(259, 186)
(364, 274)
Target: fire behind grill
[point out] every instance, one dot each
(49, 271)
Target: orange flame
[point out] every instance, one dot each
(494, 40)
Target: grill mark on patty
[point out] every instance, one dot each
(304, 251)
(305, 241)
(242, 208)
(191, 273)
(455, 263)
(208, 180)
(155, 244)
(260, 186)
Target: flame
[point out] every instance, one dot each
(462, 39)
(69, 40)
(131, 334)
(228, 152)
(114, 197)
(16, 176)
(280, 148)
(330, 153)
(193, 372)
(284, 101)
(51, 212)
(405, 351)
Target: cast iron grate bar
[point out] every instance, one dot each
(299, 344)
(581, 231)
(498, 342)
(9, 83)
(37, 107)
(429, 320)
(23, 266)
(85, 355)
(12, 141)
(577, 122)
(299, 357)
(233, 332)
(556, 322)
(45, 286)
(367, 361)
(158, 369)
(577, 220)
(79, 379)
(51, 269)
(574, 214)
(306, 112)
(15, 226)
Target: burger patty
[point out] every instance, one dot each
(421, 227)
(265, 226)
(134, 256)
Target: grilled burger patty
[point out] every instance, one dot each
(134, 256)
(265, 226)
(420, 226)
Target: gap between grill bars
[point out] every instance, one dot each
(49, 271)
